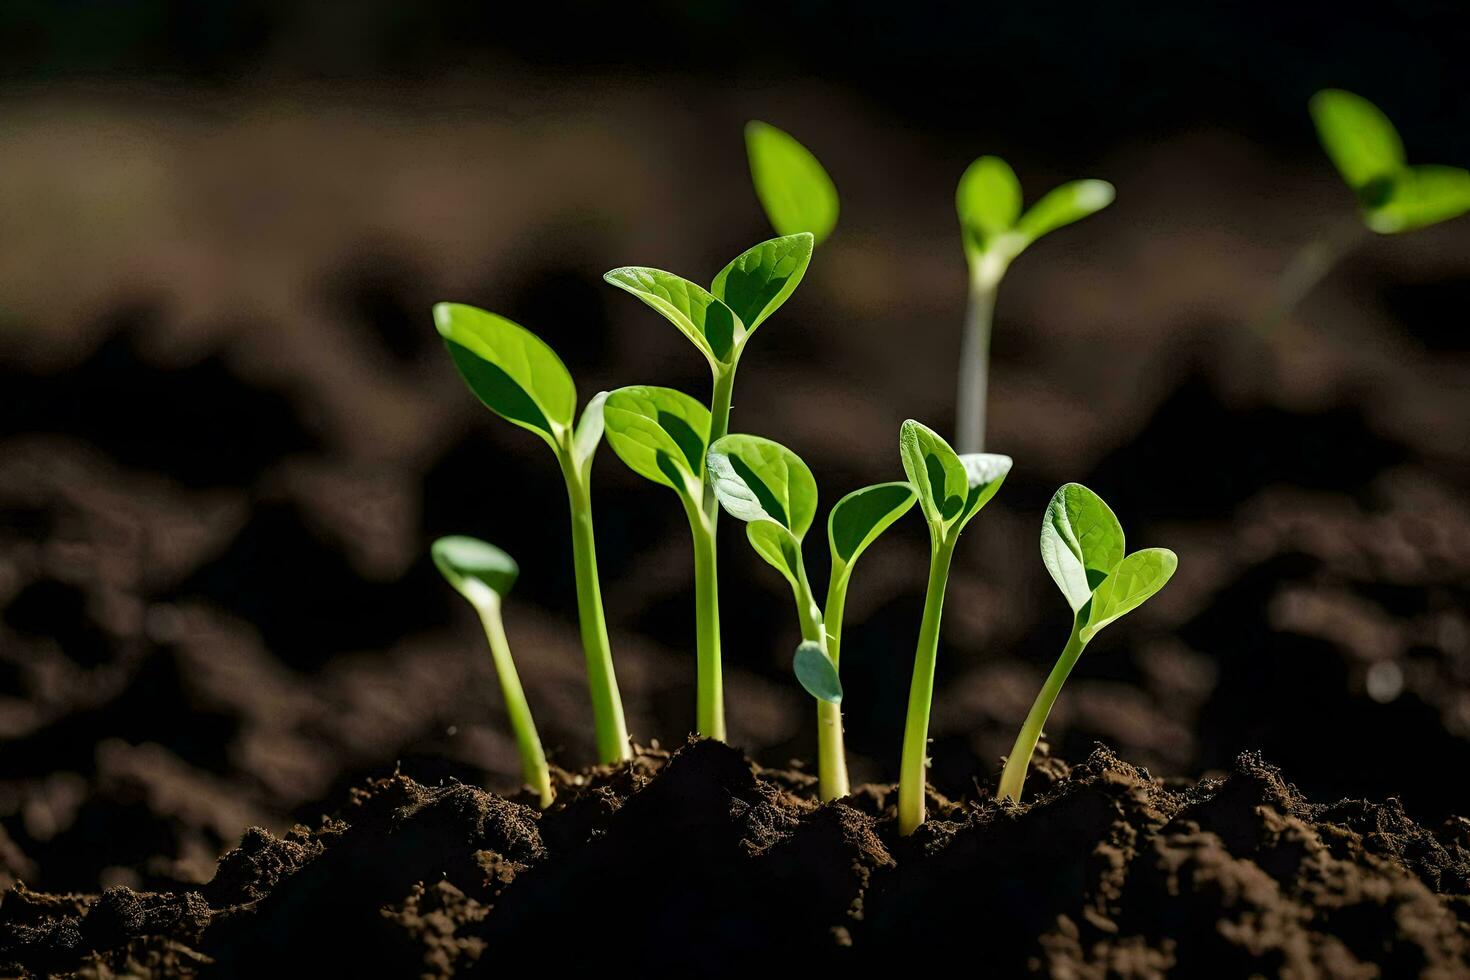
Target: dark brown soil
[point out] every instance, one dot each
(704, 864)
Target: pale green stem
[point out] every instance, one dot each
(533, 758)
(915, 760)
(831, 757)
(974, 384)
(602, 681)
(719, 427)
(1019, 761)
(1312, 263)
(832, 785)
(710, 695)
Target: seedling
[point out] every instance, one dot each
(951, 490)
(768, 486)
(518, 377)
(1392, 195)
(484, 574)
(995, 231)
(793, 188)
(1082, 546)
(662, 435)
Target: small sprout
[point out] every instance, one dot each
(792, 186)
(661, 434)
(995, 231)
(1393, 195)
(518, 377)
(951, 490)
(484, 574)
(1082, 546)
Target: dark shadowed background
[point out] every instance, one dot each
(228, 430)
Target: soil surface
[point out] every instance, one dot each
(703, 863)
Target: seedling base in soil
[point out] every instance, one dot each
(703, 863)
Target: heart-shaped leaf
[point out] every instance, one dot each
(1358, 138)
(709, 323)
(858, 518)
(757, 479)
(510, 369)
(1133, 581)
(988, 201)
(793, 188)
(760, 279)
(660, 433)
(1063, 205)
(470, 565)
(1420, 196)
(817, 673)
(1081, 542)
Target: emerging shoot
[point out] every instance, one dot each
(995, 231)
(951, 489)
(484, 574)
(518, 377)
(793, 188)
(662, 435)
(1082, 546)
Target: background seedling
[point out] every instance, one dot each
(1392, 195)
(768, 486)
(662, 435)
(1082, 546)
(994, 232)
(484, 574)
(518, 377)
(793, 188)
(951, 489)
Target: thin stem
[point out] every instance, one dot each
(602, 681)
(719, 427)
(969, 423)
(533, 758)
(832, 781)
(710, 698)
(1312, 263)
(831, 755)
(1019, 761)
(921, 694)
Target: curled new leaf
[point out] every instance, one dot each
(704, 319)
(589, 429)
(757, 479)
(463, 560)
(1081, 542)
(858, 518)
(816, 672)
(660, 433)
(760, 279)
(951, 488)
(511, 370)
(1134, 580)
(794, 190)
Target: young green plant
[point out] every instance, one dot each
(994, 231)
(792, 185)
(662, 435)
(1083, 548)
(951, 489)
(484, 574)
(1392, 195)
(768, 486)
(518, 377)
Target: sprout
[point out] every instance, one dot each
(484, 574)
(768, 486)
(793, 188)
(661, 434)
(995, 231)
(951, 490)
(1082, 546)
(518, 377)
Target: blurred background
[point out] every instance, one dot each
(228, 430)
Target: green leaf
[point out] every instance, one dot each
(1070, 202)
(660, 433)
(1421, 196)
(760, 279)
(1133, 581)
(817, 673)
(988, 201)
(935, 471)
(465, 561)
(707, 321)
(793, 188)
(858, 518)
(778, 546)
(509, 368)
(1358, 138)
(1081, 542)
(589, 430)
(757, 479)
(984, 473)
